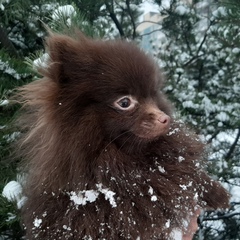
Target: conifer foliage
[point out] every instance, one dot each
(199, 50)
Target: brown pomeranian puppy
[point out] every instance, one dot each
(105, 158)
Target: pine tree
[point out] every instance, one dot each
(13, 73)
(21, 35)
(21, 41)
(200, 54)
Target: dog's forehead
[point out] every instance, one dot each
(131, 69)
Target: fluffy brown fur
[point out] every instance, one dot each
(142, 167)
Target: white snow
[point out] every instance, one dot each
(12, 191)
(87, 237)
(176, 234)
(37, 222)
(11, 137)
(184, 187)
(4, 102)
(181, 10)
(66, 227)
(222, 116)
(195, 197)
(174, 131)
(6, 68)
(220, 11)
(67, 11)
(109, 195)
(203, 4)
(154, 198)
(161, 169)
(89, 196)
(10, 218)
(236, 50)
(147, 7)
(150, 191)
(44, 214)
(82, 197)
(180, 158)
(221, 72)
(167, 224)
(41, 62)
(190, 104)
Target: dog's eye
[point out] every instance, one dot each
(125, 103)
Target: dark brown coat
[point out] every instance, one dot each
(96, 169)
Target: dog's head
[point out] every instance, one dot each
(115, 82)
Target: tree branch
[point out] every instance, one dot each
(228, 215)
(132, 19)
(200, 46)
(232, 148)
(145, 34)
(213, 136)
(6, 43)
(114, 18)
(137, 25)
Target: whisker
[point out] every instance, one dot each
(124, 143)
(121, 134)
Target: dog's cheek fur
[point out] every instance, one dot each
(144, 190)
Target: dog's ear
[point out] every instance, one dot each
(67, 57)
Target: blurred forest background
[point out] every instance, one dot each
(198, 48)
